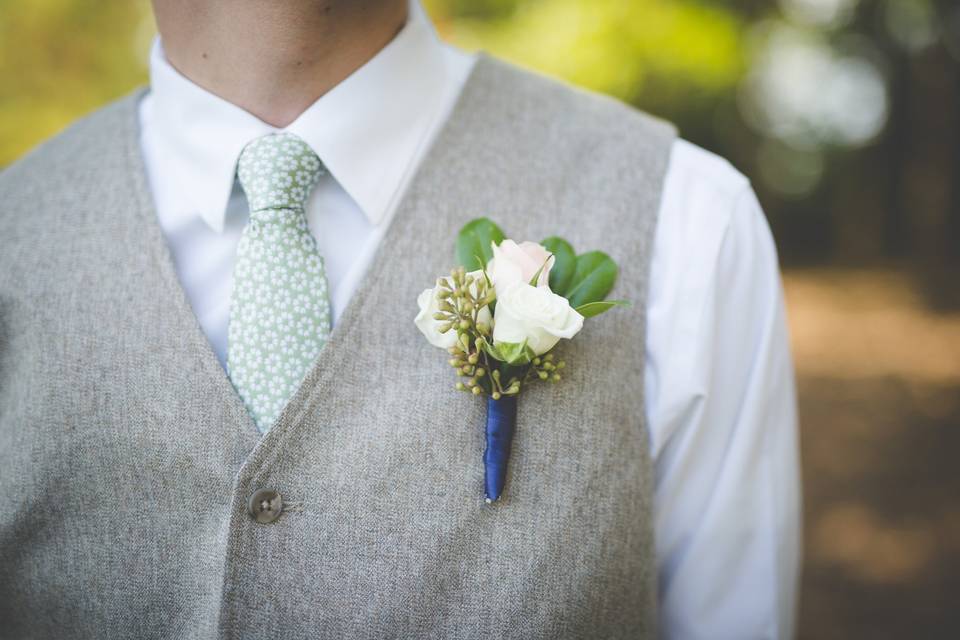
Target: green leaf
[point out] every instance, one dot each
(592, 309)
(592, 280)
(536, 276)
(564, 263)
(490, 349)
(514, 353)
(486, 276)
(473, 243)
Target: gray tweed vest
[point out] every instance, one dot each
(127, 459)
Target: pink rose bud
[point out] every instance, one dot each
(512, 263)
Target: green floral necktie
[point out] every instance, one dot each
(279, 308)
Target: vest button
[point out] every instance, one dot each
(265, 505)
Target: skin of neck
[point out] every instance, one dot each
(274, 58)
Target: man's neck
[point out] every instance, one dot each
(274, 59)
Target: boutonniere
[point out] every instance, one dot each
(500, 314)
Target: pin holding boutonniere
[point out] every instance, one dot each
(501, 312)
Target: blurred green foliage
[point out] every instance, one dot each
(62, 58)
(611, 46)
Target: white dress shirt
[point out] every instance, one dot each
(719, 385)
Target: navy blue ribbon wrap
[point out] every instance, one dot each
(501, 424)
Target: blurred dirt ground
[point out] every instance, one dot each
(879, 392)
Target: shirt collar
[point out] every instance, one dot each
(366, 130)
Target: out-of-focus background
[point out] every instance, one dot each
(846, 115)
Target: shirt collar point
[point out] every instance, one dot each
(214, 220)
(370, 202)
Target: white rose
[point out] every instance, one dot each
(429, 304)
(512, 263)
(534, 314)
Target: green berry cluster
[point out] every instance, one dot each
(544, 368)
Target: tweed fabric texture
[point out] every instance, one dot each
(126, 457)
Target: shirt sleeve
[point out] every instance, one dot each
(721, 410)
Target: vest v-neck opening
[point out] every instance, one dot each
(338, 341)
(336, 349)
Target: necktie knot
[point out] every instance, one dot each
(278, 171)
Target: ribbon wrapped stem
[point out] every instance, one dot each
(501, 425)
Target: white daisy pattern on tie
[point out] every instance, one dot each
(279, 308)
